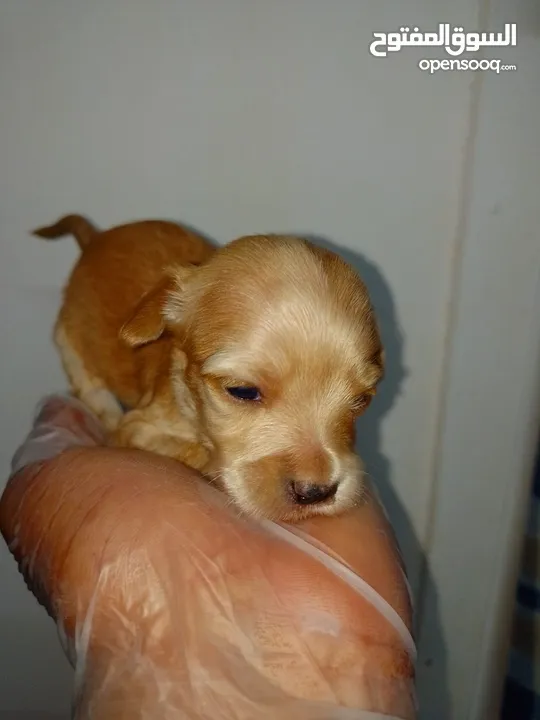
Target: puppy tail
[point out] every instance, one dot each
(82, 230)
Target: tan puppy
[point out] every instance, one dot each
(250, 363)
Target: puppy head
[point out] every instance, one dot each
(282, 354)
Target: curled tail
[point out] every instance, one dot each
(82, 230)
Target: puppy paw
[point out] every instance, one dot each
(142, 435)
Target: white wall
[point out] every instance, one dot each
(248, 116)
(490, 410)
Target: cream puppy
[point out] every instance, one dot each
(250, 362)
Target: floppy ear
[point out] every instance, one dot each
(381, 360)
(158, 308)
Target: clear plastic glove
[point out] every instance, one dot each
(171, 605)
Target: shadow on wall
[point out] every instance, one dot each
(369, 445)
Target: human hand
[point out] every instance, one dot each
(172, 605)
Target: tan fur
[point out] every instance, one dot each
(167, 339)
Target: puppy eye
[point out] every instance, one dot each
(245, 392)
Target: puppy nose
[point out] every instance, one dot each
(310, 494)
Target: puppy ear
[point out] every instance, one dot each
(381, 360)
(374, 370)
(158, 308)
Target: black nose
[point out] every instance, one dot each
(309, 494)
